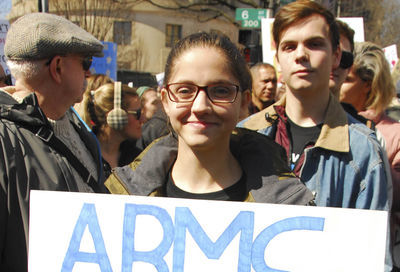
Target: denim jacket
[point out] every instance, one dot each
(345, 167)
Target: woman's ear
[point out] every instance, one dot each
(246, 97)
(244, 104)
(164, 99)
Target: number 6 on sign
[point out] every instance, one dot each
(245, 14)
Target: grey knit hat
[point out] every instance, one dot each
(38, 36)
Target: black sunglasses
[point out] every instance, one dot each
(347, 60)
(137, 113)
(86, 62)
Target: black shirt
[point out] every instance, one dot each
(302, 137)
(235, 192)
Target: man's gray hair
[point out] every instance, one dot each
(25, 69)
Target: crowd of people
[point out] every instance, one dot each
(216, 129)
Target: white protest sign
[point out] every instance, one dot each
(391, 55)
(357, 24)
(268, 45)
(98, 232)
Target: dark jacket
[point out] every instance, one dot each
(154, 128)
(28, 163)
(263, 161)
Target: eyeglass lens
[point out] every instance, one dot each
(182, 92)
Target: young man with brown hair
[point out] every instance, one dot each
(336, 157)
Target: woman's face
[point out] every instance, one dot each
(133, 130)
(355, 91)
(202, 123)
(150, 103)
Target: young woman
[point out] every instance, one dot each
(206, 87)
(117, 144)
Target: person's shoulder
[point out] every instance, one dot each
(364, 142)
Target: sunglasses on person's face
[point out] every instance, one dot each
(86, 62)
(136, 113)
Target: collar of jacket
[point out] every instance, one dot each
(334, 133)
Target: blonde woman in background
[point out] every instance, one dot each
(117, 145)
(92, 83)
(369, 88)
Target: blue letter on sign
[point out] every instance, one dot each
(88, 217)
(262, 240)
(243, 223)
(155, 257)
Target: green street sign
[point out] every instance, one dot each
(251, 23)
(250, 14)
(250, 18)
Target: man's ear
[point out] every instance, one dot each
(337, 56)
(55, 68)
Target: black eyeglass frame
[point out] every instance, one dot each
(86, 62)
(205, 88)
(137, 113)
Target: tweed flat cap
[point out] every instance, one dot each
(37, 36)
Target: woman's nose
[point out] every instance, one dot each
(201, 103)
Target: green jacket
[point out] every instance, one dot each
(263, 161)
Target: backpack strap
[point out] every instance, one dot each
(48, 137)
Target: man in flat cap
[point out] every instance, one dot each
(43, 143)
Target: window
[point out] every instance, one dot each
(122, 32)
(173, 33)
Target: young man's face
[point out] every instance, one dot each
(305, 55)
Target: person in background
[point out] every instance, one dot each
(339, 74)
(207, 84)
(4, 79)
(150, 101)
(155, 120)
(94, 81)
(117, 143)
(346, 43)
(338, 159)
(369, 89)
(43, 143)
(264, 87)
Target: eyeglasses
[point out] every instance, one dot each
(136, 113)
(186, 92)
(86, 62)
